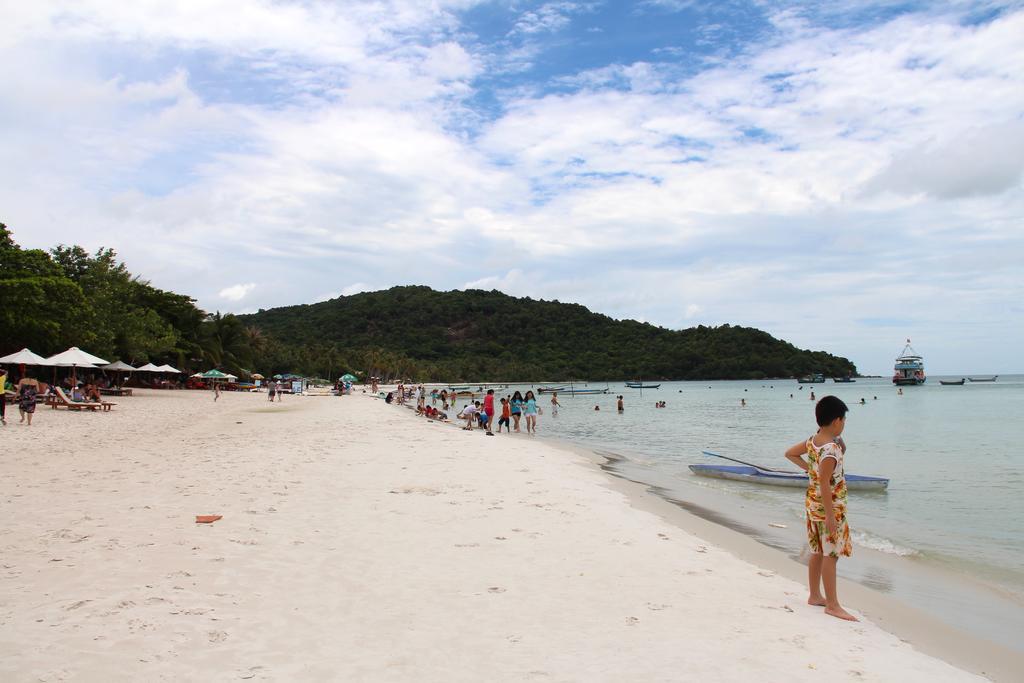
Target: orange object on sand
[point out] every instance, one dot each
(207, 519)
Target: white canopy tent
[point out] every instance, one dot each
(149, 367)
(169, 368)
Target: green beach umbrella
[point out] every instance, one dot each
(214, 374)
(349, 378)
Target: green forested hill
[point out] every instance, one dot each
(474, 334)
(67, 296)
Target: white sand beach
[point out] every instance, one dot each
(360, 543)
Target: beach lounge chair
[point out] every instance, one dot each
(65, 402)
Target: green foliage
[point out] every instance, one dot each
(40, 308)
(70, 297)
(423, 334)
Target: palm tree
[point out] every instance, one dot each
(225, 343)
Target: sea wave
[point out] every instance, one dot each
(882, 544)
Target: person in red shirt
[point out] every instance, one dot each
(489, 411)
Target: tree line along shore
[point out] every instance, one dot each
(68, 296)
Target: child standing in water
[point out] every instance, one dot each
(828, 533)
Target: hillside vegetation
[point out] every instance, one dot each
(69, 297)
(474, 334)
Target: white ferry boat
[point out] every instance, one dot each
(909, 369)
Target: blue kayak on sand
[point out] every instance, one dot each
(755, 475)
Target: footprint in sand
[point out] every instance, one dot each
(495, 589)
(216, 636)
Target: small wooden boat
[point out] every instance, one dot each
(816, 378)
(574, 392)
(983, 379)
(843, 380)
(548, 390)
(952, 382)
(640, 385)
(753, 475)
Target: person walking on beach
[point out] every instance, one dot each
(27, 391)
(505, 414)
(271, 390)
(555, 405)
(489, 411)
(828, 533)
(280, 391)
(530, 409)
(516, 408)
(216, 390)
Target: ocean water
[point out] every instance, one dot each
(946, 536)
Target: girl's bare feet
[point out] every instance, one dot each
(839, 613)
(817, 601)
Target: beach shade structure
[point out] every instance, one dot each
(118, 366)
(197, 375)
(24, 357)
(349, 378)
(149, 367)
(75, 358)
(214, 374)
(169, 368)
(257, 375)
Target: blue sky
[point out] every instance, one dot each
(843, 175)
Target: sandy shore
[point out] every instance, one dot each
(359, 543)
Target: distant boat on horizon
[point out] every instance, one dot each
(909, 368)
(816, 378)
(983, 379)
(952, 382)
(641, 385)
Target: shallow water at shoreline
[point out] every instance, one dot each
(943, 537)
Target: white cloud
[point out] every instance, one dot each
(236, 292)
(298, 140)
